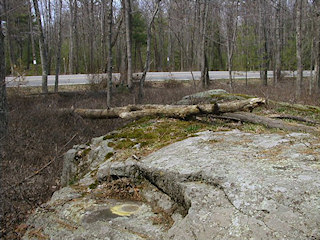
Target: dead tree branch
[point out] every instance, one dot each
(268, 122)
(175, 111)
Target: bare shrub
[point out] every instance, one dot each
(172, 84)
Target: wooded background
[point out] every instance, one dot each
(94, 36)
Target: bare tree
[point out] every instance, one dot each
(43, 49)
(299, 6)
(230, 27)
(59, 43)
(73, 6)
(147, 64)
(277, 75)
(34, 60)
(3, 94)
(203, 44)
(316, 6)
(109, 83)
(263, 43)
(128, 24)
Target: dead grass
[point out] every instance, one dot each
(122, 189)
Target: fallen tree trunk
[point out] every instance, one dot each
(296, 118)
(176, 111)
(268, 122)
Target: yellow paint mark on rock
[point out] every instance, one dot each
(125, 209)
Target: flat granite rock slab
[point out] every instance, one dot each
(231, 185)
(253, 186)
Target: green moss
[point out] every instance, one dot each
(124, 144)
(108, 155)
(94, 185)
(193, 128)
(74, 180)
(109, 136)
(152, 134)
(111, 144)
(85, 152)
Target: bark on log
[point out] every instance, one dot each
(268, 122)
(176, 111)
(233, 106)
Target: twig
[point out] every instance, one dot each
(39, 170)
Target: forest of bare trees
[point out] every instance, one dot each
(96, 36)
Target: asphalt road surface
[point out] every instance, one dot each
(31, 81)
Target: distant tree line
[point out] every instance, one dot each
(100, 36)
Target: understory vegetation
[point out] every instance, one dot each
(38, 136)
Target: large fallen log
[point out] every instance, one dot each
(268, 122)
(295, 118)
(176, 111)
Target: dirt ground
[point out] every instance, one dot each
(37, 135)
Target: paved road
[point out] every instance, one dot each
(151, 76)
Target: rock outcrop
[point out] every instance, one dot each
(215, 185)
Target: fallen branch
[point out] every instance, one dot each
(175, 111)
(296, 118)
(268, 122)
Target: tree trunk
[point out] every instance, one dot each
(268, 122)
(161, 39)
(204, 62)
(316, 5)
(73, 37)
(231, 25)
(58, 54)
(263, 44)
(109, 83)
(176, 111)
(129, 42)
(147, 64)
(43, 49)
(277, 74)
(170, 58)
(103, 57)
(9, 37)
(299, 49)
(47, 19)
(34, 59)
(3, 93)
